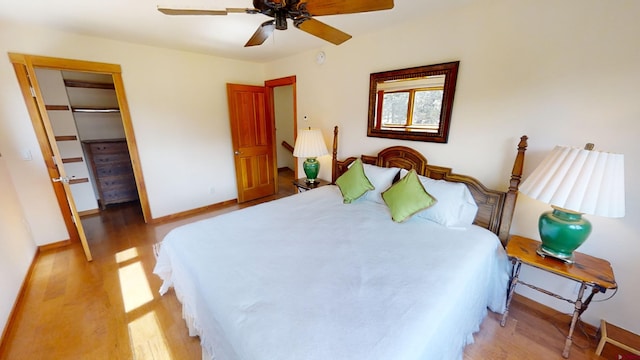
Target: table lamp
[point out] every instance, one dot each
(310, 144)
(575, 182)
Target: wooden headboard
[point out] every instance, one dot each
(495, 208)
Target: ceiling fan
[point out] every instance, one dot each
(301, 12)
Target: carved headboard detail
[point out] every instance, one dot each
(495, 207)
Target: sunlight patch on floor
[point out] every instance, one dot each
(145, 333)
(126, 255)
(134, 286)
(147, 340)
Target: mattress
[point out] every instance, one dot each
(308, 277)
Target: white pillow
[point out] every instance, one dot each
(455, 207)
(381, 178)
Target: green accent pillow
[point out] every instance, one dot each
(354, 183)
(407, 197)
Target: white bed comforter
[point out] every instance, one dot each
(308, 277)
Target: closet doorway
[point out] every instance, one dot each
(60, 139)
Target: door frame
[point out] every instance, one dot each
(24, 66)
(271, 115)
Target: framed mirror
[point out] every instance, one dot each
(412, 104)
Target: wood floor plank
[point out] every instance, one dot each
(73, 309)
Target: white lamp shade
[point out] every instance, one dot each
(309, 143)
(583, 181)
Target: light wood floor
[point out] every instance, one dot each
(110, 308)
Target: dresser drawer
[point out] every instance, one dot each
(110, 159)
(108, 147)
(117, 181)
(117, 169)
(114, 196)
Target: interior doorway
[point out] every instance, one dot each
(85, 118)
(282, 107)
(285, 131)
(55, 143)
(262, 120)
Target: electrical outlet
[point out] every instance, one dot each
(26, 155)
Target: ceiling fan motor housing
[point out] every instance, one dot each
(281, 10)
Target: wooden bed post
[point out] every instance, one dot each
(334, 156)
(512, 194)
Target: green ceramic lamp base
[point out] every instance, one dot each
(562, 232)
(311, 168)
(545, 252)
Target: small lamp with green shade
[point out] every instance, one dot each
(575, 182)
(310, 144)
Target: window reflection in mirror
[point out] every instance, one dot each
(412, 104)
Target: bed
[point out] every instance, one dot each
(310, 277)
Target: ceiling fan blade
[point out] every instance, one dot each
(323, 31)
(335, 7)
(170, 11)
(264, 31)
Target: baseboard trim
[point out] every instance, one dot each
(193, 212)
(55, 245)
(18, 301)
(89, 212)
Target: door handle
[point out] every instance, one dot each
(61, 179)
(237, 152)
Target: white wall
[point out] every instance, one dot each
(16, 245)
(560, 72)
(179, 108)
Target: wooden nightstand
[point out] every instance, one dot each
(302, 185)
(587, 270)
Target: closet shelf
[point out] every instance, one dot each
(86, 109)
(88, 84)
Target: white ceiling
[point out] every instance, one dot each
(138, 21)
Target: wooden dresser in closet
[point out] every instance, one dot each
(112, 170)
